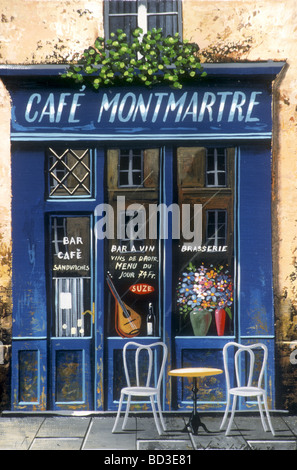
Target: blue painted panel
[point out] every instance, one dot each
(207, 110)
(115, 377)
(29, 377)
(71, 377)
(28, 262)
(200, 352)
(255, 294)
(250, 403)
(207, 352)
(255, 289)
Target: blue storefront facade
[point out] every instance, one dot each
(90, 171)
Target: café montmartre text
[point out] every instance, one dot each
(130, 107)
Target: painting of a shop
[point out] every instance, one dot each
(138, 213)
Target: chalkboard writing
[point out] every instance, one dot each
(135, 276)
(136, 266)
(70, 246)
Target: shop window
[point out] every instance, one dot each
(132, 254)
(216, 171)
(205, 272)
(71, 276)
(146, 14)
(130, 168)
(69, 173)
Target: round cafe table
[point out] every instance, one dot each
(194, 373)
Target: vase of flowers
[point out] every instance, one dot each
(205, 289)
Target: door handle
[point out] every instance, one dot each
(91, 312)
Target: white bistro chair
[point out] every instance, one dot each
(247, 389)
(153, 379)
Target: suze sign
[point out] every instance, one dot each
(136, 113)
(141, 289)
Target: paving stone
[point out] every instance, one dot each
(57, 426)
(215, 438)
(166, 444)
(175, 426)
(272, 445)
(56, 444)
(291, 422)
(18, 433)
(173, 438)
(251, 428)
(146, 429)
(221, 442)
(100, 437)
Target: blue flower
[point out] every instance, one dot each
(212, 294)
(188, 277)
(193, 301)
(185, 289)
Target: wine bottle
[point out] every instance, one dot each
(150, 320)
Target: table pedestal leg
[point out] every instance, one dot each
(195, 422)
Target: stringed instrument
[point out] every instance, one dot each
(127, 321)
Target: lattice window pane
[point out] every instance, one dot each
(216, 227)
(69, 172)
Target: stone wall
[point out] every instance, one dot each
(49, 31)
(5, 248)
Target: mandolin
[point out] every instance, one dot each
(127, 321)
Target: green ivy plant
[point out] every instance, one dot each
(149, 59)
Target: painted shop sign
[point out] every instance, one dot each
(206, 111)
(141, 289)
(135, 266)
(71, 253)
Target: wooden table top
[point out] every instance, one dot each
(195, 372)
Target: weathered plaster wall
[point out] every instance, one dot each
(5, 245)
(50, 31)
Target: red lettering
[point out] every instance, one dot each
(141, 289)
